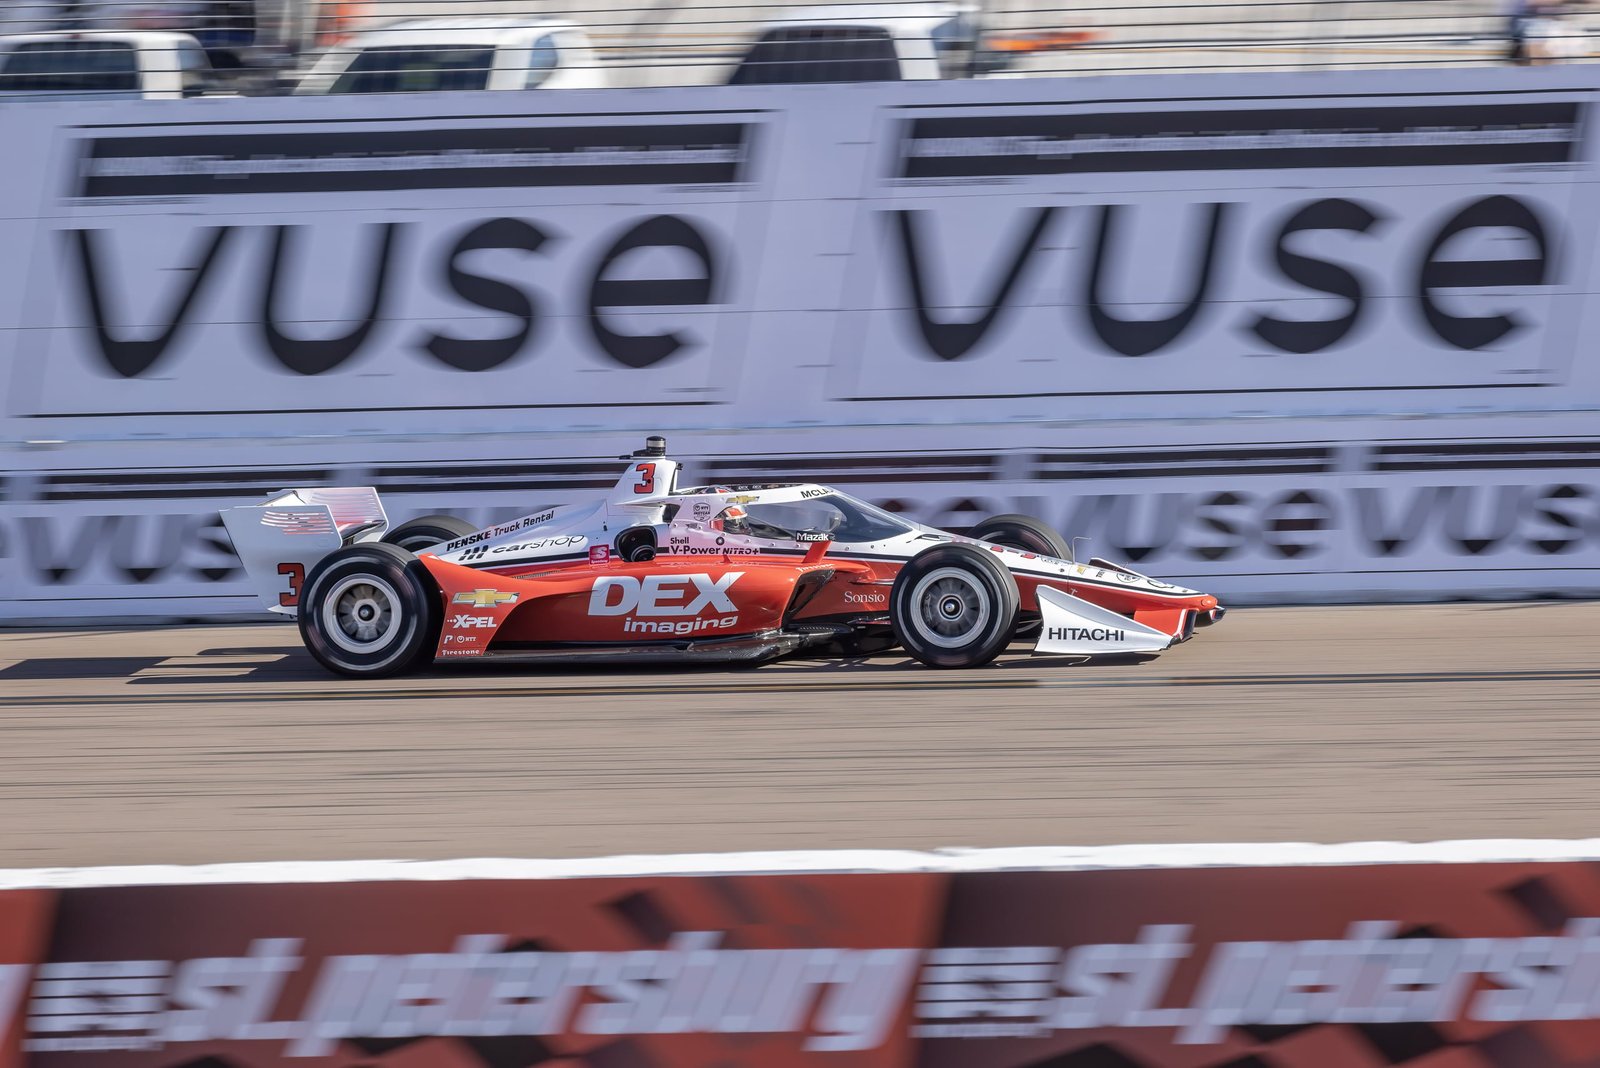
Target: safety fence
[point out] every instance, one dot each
(257, 47)
(1362, 956)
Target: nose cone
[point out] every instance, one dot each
(1207, 603)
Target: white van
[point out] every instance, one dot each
(440, 55)
(863, 43)
(103, 66)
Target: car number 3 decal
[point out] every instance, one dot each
(647, 478)
(297, 576)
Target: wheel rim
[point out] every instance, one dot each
(361, 614)
(950, 608)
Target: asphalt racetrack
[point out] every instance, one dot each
(229, 743)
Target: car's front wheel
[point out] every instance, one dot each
(370, 610)
(954, 606)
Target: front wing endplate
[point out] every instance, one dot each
(1072, 626)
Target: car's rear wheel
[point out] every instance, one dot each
(370, 610)
(426, 531)
(1022, 532)
(954, 606)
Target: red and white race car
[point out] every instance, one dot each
(658, 571)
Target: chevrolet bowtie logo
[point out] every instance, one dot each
(484, 598)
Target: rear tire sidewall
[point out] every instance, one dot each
(954, 606)
(386, 595)
(426, 531)
(1022, 532)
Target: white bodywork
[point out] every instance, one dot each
(524, 53)
(1071, 626)
(164, 66)
(279, 542)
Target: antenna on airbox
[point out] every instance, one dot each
(654, 445)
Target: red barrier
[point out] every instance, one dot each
(25, 924)
(624, 972)
(1424, 965)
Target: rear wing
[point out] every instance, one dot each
(280, 541)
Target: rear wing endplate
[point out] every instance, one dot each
(280, 541)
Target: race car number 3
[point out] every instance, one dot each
(297, 577)
(647, 478)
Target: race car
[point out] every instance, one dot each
(656, 571)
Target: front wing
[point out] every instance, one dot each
(1071, 626)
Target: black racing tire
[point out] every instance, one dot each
(954, 606)
(370, 611)
(426, 531)
(1022, 532)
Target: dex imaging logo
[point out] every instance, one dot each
(667, 604)
(662, 595)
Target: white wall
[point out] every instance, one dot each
(1373, 378)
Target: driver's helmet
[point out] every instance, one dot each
(732, 520)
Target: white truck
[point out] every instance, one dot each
(862, 43)
(435, 55)
(149, 65)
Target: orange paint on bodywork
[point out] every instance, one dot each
(700, 598)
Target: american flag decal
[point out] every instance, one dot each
(350, 505)
(319, 522)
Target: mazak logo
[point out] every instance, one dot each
(662, 595)
(466, 622)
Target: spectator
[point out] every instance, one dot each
(1518, 16)
(1551, 35)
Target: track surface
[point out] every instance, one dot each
(228, 743)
